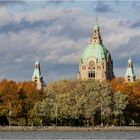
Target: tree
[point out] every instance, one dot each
(78, 100)
(99, 99)
(120, 102)
(28, 96)
(8, 99)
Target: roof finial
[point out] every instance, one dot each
(129, 60)
(37, 59)
(96, 24)
(96, 21)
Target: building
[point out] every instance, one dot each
(130, 75)
(96, 62)
(37, 76)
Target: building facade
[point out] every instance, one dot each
(37, 77)
(130, 75)
(96, 62)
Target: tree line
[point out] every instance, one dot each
(70, 103)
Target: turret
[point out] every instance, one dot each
(37, 78)
(130, 75)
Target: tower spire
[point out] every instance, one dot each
(96, 37)
(37, 78)
(130, 75)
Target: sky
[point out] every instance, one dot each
(59, 31)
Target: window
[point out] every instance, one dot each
(91, 65)
(129, 65)
(97, 60)
(83, 67)
(91, 74)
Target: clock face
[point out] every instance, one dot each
(83, 67)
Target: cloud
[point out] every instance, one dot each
(135, 24)
(135, 5)
(57, 2)
(24, 25)
(102, 7)
(59, 36)
(5, 16)
(27, 37)
(12, 2)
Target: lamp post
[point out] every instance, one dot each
(56, 114)
(10, 114)
(101, 109)
(101, 106)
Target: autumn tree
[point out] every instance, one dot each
(28, 96)
(9, 99)
(74, 102)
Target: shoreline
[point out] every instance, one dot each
(68, 128)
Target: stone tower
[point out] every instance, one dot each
(96, 62)
(37, 76)
(130, 75)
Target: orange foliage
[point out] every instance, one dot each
(20, 97)
(131, 89)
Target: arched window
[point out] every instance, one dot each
(35, 79)
(91, 74)
(91, 65)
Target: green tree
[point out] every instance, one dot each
(120, 101)
(77, 101)
(98, 101)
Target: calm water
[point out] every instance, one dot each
(70, 135)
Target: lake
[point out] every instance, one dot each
(69, 135)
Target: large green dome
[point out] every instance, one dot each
(97, 51)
